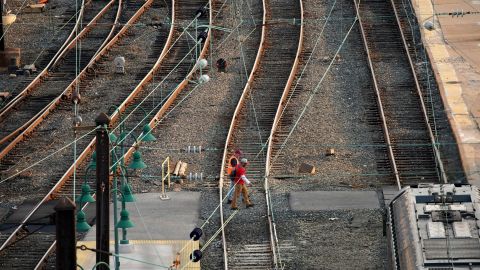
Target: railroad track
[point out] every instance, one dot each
(342, 115)
(58, 189)
(202, 113)
(414, 158)
(250, 130)
(49, 55)
(18, 149)
(51, 82)
(133, 81)
(39, 206)
(438, 120)
(142, 106)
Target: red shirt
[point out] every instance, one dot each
(239, 172)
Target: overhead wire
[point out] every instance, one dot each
(123, 174)
(9, 26)
(45, 48)
(47, 157)
(264, 144)
(224, 198)
(62, 148)
(77, 66)
(242, 55)
(316, 89)
(320, 35)
(225, 224)
(167, 76)
(320, 82)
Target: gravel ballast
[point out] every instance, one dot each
(335, 117)
(203, 119)
(39, 36)
(33, 183)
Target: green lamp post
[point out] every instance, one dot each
(119, 169)
(147, 134)
(126, 196)
(126, 190)
(85, 197)
(137, 162)
(93, 161)
(82, 224)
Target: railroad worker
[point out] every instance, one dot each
(241, 183)
(221, 65)
(232, 164)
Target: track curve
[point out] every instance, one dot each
(250, 130)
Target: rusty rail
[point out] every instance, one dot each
(436, 152)
(27, 124)
(64, 49)
(158, 116)
(236, 115)
(114, 117)
(379, 101)
(30, 126)
(281, 106)
(89, 148)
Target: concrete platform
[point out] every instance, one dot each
(333, 200)
(147, 254)
(162, 229)
(454, 50)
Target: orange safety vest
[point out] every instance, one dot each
(230, 168)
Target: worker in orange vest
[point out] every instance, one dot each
(233, 161)
(241, 182)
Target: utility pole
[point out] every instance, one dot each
(2, 40)
(103, 191)
(65, 232)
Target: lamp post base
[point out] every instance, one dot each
(126, 247)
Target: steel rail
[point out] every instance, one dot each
(89, 148)
(67, 49)
(443, 175)
(236, 115)
(379, 100)
(68, 45)
(444, 99)
(45, 70)
(29, 127)
(114, 117)
(163, 110)
(122, 107)
(181, 86)
(281, 106)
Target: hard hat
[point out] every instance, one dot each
(244, 160)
